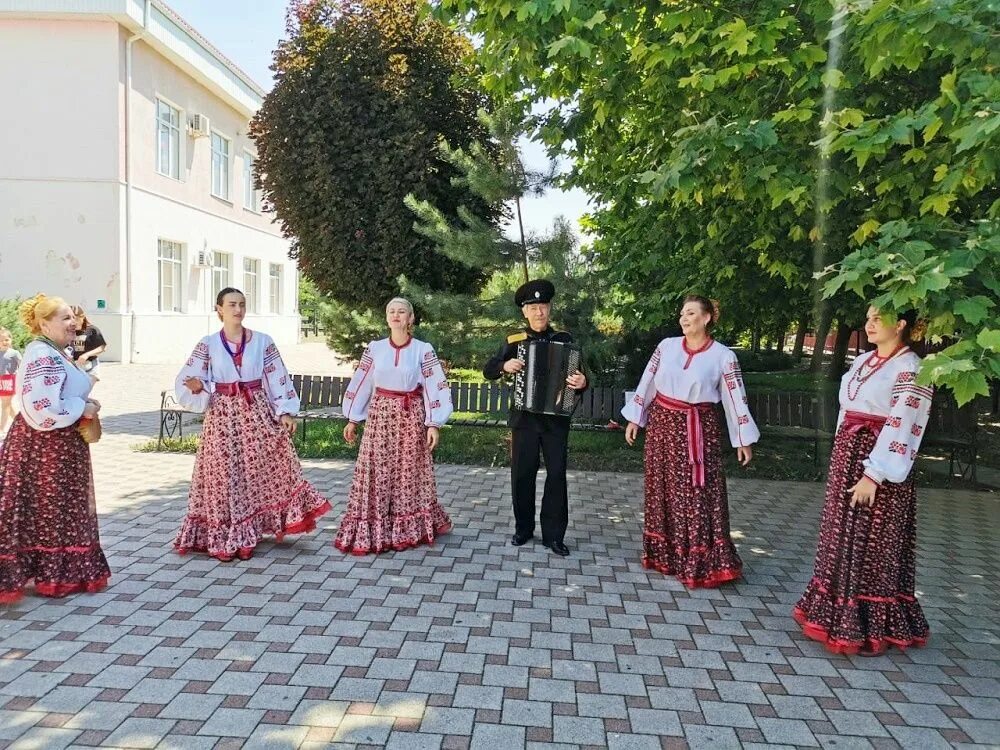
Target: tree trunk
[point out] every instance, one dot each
(825, 319)
(840, 347)
(800, 338)
(524, 243)
(755, 339)
(779, 340)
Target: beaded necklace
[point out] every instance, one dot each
(860, 377)
(236, 356)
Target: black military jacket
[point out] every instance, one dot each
(493, 370)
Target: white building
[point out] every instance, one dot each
(124, 176)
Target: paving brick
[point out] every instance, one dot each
(527, 713)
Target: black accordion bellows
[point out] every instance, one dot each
(540, 387)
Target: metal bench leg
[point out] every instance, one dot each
(159, 440)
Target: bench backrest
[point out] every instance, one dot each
(600, 404)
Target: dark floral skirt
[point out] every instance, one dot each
(861, 596)
(686, 528)
(48, 518)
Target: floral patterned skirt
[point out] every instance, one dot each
(860, 598)
(393, 501)
(686, 528)
(48, 518)
(247, 482)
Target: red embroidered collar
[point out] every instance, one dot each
(691, 352)
(399, 347)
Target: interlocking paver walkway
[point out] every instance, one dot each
(473, 643)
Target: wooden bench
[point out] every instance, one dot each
(793, 414)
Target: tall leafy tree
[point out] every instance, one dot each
(365, 90)
(734, 143)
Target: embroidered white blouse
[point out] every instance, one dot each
(400, 368)
(892, 392)
(51, 390)
(213, 364)
(711, 375)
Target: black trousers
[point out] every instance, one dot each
(527, 441)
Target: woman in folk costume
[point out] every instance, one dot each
(247, 480)
(860, 598)
(401, 390)
(686, 527)
(48, 517)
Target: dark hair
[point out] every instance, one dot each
(910, 316)
(223, 292)
(708, 306)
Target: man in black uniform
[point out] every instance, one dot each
(533, 431)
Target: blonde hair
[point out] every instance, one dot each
(40, 307)
(402, 301)
(5, 332)
(79, 312)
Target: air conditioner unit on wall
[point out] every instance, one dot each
(199, 126)
(203, 259)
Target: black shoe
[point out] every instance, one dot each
(520, 539)
(558, 547)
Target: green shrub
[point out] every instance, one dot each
(10, 320)
(764, 361)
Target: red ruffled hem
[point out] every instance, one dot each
(714, 579)
(868, 647)
(307, 524)
(362, 551)
(56, 590)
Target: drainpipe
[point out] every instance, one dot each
(128, 174)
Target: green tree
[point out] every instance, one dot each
(751, 143)
(467, 326)
(364, 91)
(11, 320)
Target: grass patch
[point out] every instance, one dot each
(779, 458)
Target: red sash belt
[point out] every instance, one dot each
(405, 396)
(856, 421)
(246, 388)
(696, 442)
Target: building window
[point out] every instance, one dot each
(222, 270)
(169, 259)
(251, 273)
(274, 288)
(168, 140)
(220, 166)
(251, 196)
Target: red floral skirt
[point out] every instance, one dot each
(860, 598)
(393, 501)
(686, 528)
(247, 482)
(48, 518)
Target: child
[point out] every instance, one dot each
(10, 360)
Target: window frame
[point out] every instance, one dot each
(180, 128)
(251, 290)
(249, 191)
(177, 273)
(275, 293)
(216, 268)
(226, 165)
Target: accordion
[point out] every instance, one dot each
(540, 387)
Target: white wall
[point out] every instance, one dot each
(169, 337)
(59, 188)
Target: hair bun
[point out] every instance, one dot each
(26, 311)
(716, 310)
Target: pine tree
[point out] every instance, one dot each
(467, 328)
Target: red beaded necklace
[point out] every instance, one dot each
(692, 352)
(860, 377)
